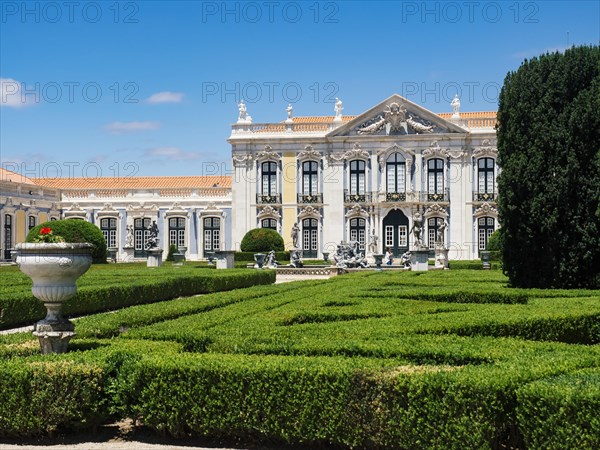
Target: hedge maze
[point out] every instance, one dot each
(442, 360)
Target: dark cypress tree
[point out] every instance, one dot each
(549, 186)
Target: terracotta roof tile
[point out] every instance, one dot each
(8, 175)
(136, 182)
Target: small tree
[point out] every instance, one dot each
(262, 240)
(75, 231)
(172, 251)
(549, 187)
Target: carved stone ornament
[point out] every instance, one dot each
(177, 210)
(334, 158)
(436, 210)
(395, 116)
(418, 126)
(309, 154)
(372, 127)
(394, 119)
(309, 211)
(357, 211)
(356, 153)
(486, 210)
(435, 150)
(242, 160)
(268, 212)
(486, 149)
(268, 154)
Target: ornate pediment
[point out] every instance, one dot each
(486, 149)
(268, 154)
(383, 155)
(486, 210)
(435, 150)
(355, 153)
(309, 154)
(396, 116)
(357, 211)
(268, 212)
(436, 210)
(309, 211)
(242, 160)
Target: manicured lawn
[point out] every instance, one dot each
(447, 359)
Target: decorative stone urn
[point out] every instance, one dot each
(54, 269)
(260, 259)
(378, 260)
(326, 256)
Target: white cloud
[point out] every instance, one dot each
(131, 127)
(10, 94)
(165, 97)
(172, 153)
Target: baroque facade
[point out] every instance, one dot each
(345, 178)
(340, 178)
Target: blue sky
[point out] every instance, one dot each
(150, 88)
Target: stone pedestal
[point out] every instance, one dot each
(129, 254)
(112, 254)
(378, 260)
(419, 260)
(441, 258)
(154, 257)
(225, 259)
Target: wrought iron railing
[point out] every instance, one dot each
(437, 196)
(310, 198)
(395, 196)
(484, 196)
(268, 199)
(357, 198)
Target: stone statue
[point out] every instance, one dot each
(296, 260)
(338, 109)
(417, 229)
(270, 260)
(290, 111)
(373, 238)
(405, 259)
(152, 241)
(129, 236)
(417, 126)
(294, 235)
(455, 106)
(243, 116)
(441, 231)
(349, 256)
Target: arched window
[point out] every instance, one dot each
(310, 242)
(435, 176)
(269, 178)
(141, 233)
(395, 168)
(31, 222)
(485, 228)
(8, 234)
(485, 175)
(177, 231)
(357, 177)
(212, 234)
(358, 231)
(309, 178)
(109, 230)
(433, 224)
(269, 223)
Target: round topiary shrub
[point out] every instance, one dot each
(75, 231)
(262, 240)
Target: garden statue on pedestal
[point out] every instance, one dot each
(296, 260)
(151, 247)
(417, 231)
(270, 260)
(294, 235)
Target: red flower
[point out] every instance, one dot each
(45, 230)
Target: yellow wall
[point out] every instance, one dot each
(20, 226)
(43, 217)
(288, 196)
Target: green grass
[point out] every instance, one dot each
(445, 359)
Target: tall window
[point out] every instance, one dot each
(357, 177)
(310, 238)
(485, 230)
(140, 236)
(212, 234)
(435, 176)
(269, 223)
(358, 232)
(8, 243)
(32, 222)
(433, 224)
(177, 231)
(396, 173)
(309, 178)
(269, 178)
(109, 230)
(485, 175)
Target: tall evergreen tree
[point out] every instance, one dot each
(549, 186)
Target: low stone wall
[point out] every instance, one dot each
(308, 270)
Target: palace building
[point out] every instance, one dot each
(340, 178)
